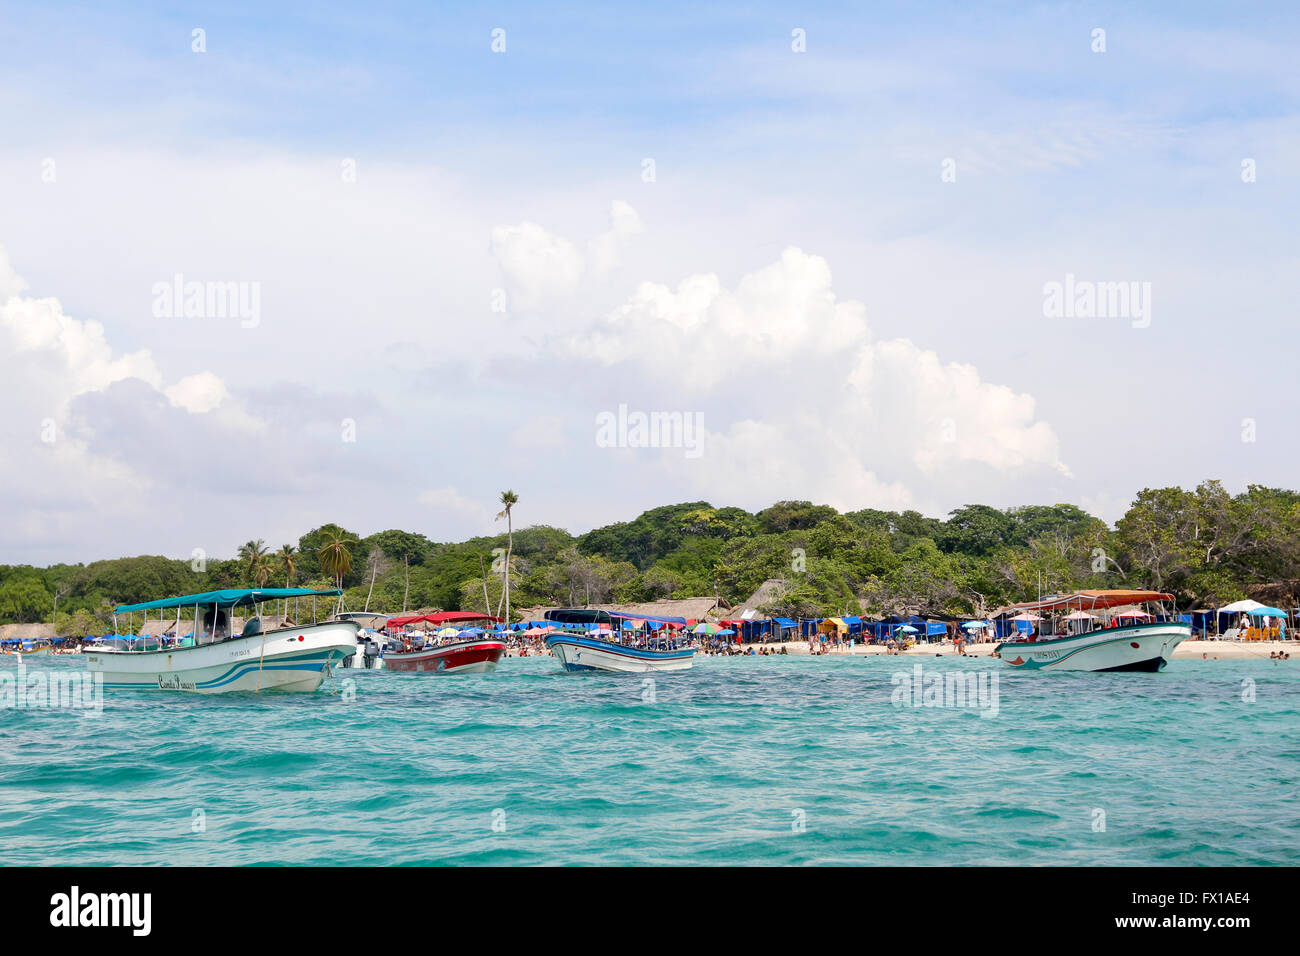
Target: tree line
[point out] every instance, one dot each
(1204, 545)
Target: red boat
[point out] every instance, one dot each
(475, 654)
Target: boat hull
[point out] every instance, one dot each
(462, 657)
(587, 654)
(289, 659)
(1141, 647)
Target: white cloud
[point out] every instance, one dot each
(852, 421)
(541, 267)
(66, 459)
(603, 251)
(776, 314)
(537, 264)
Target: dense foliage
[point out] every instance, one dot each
(1206, 546)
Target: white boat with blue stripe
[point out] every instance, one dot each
(210, 660)
(589, 639)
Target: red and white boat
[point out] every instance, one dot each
(466, 652)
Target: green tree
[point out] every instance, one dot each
(508, 500)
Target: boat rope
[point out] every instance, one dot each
(260, 658)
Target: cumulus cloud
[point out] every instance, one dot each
(540, 266)
(73, 406)
(776, 314)
(854, 420)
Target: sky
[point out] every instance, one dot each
(425, 253)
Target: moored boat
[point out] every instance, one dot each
(369, 654)
(448, 649)
(1107, 630)
(212, 661)
(613, 641)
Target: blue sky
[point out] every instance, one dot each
(824, 372)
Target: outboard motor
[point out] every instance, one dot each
(372, 652)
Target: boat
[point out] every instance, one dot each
(369, 654)
(593, 639)
(29, 648)
(211, 660)
(1106, 630)
(448, 649)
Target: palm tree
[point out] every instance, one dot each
(336, 557)
(509, 499)
(285, 556)
(252, 554)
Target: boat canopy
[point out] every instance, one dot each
(441, 617)
(591, 615)
(231, 597)
(1093, 600)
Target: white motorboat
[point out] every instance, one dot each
(1108, 630)
(612, 641)
(211, 661)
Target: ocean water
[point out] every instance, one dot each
(754, 760)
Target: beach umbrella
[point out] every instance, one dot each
(1266, 612)
(1079, 616)
(907, 629)
(1026, 616)
(725, 632)
(705, 629)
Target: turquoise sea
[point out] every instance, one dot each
(754, 760)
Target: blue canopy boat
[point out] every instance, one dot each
(212, 660)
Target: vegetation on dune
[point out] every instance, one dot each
(1205, 545)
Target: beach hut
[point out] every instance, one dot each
(784, 629)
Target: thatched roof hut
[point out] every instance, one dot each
(767, 592)
(26, 632)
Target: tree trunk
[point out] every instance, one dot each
(510, 550)
(407, 593)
